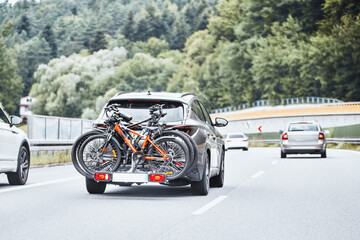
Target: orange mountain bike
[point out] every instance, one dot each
(122, 149)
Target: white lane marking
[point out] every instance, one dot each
(274, 162)
(38, 184)
(258, 174)
(209, 205)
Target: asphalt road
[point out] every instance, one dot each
(264, 197)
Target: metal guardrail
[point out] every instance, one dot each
(37, 145)
(344, 140)
(286, 101)
(329, 140)
(53, 128)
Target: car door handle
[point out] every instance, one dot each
(14, 132)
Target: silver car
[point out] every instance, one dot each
(303, 137)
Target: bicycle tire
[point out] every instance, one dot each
(179, 162)
(97, 160)
(184, 137)
(193, 150)
(75, 150)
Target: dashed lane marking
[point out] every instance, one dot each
(17, 188)
(258, 174)
(210, 205)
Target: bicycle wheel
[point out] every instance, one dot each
(75, 151)
(178, 153)
(98, 155)
(190, 143)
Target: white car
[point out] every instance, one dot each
(237, 141)
(14, 150)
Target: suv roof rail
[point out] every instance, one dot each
(119, 93)
(186, 94)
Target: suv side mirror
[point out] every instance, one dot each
(280, 132)
(15, 120)
(220, 122)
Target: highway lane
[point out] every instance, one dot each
(264, 197)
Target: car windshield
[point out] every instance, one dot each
(236, 136)
(303, 127)
(139, 110)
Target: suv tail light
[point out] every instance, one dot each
(188, 130)
(321, 136)
(99, 125)
(102, 176)
(284, 136)
(157, 178)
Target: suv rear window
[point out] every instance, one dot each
(138, 109)
(303, 127)
(236, 136)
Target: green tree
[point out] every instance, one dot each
(48, 34)
(99, 42)
(180, 30)
(24, 25)
(29, 56)
(338, 59)
(335, 11)
(67, 86)
(278, 63)
(129, 27)
(10, 83)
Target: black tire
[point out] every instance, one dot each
(93, 159)
(323, 154)
(246, 149)
(187, 140)
(180, 157)
(75, 151)
(190, 143)
(21, 175)
(218, 181)
(283, 155)
(94, 187)
(202, 187)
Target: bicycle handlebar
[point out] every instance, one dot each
(155, 117)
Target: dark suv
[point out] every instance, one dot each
(186, 113)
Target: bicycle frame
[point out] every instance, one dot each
(122, 130)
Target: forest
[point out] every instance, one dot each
(72, 56)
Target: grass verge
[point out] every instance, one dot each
(344, 146)
(262, 144)
(50, 157)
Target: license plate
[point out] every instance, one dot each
(130, 177)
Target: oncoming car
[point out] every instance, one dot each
(14, 150)
(237, 141)
(303, 138)
(184, 114)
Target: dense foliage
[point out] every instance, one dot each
(36, 32)
(275, 49)
(74, 55)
